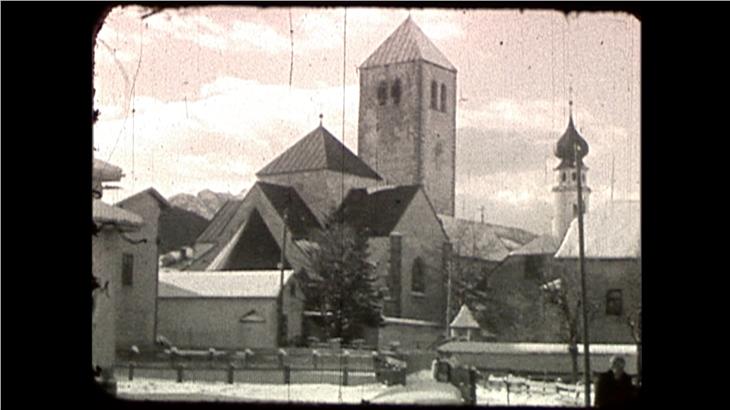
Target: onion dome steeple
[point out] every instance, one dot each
(565, 147)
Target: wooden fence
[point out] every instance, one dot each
(266, 367)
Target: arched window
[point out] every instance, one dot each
(395, 91)
(562, 176)
(434, 95)
(575, 210)
(573, 175)
(583, 177)
(382, 93)
(418, 277)
(443, 97)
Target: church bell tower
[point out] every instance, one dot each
(565, 193)
(407, 116)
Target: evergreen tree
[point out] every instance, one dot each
(346, 292)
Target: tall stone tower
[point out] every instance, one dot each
(565, 193)
(407, 121)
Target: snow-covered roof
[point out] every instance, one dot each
(406, 321)
(612, 231)
(105, 213)
(542, 245)
(517, 348)
(483, 240)
(106, 172)
(464, 319)
(221, 284)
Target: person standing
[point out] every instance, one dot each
(614, 387)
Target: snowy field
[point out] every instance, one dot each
(492, 393)
(549, 397)
(151, 389)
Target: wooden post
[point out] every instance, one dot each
(315, 359)
(231, 370)
(179, 373)
(287, 374)
(247, 355)
(131, 371)
(345, 359)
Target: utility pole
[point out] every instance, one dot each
(581, 257)
(280, 304)
(447, 254)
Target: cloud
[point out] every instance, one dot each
(220, 139)
(435, 26)
(511, 114)
(485, 151)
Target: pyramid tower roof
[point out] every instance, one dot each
(407, 43)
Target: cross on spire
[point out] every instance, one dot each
(570, 100)
(320, 119)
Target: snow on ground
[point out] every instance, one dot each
(495, 395)
(525, 392)
(295, 393)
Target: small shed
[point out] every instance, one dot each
(228, 309)
(464, 324)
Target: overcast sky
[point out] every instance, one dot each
(199, 98)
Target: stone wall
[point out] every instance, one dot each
(409, 337)
(389, 134)
(408, 142)
(438, 133)
(423, 237)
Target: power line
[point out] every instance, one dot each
(291, 58)
(131, 93)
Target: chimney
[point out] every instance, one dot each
(395, 274)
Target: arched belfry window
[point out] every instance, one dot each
(443, 97)
(562, 176)
(418, 277)
(434, 95)
(382, 93)
(395, 91)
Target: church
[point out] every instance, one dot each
(397, 186)
(401, 187)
